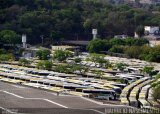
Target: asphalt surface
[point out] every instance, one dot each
(22, 99)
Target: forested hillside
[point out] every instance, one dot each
(72, 19)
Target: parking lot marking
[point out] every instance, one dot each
(35, 99)
(7, 111)
(89, 109)
(17, 86)
(98, 111)
(99, 103)
(61, 94)
(13, 94)
(55, 103)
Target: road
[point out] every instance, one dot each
(17, 98)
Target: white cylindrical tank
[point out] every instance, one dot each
(94, 32)
(24, 40)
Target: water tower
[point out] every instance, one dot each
(94, 32)
(24, 40)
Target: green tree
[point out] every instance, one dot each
(9, 37)
(117, 41)
(56, 36)
(77, 60)
(72, 19)
(154, 54)
(3, 51)
(45, 64)
(157, 76)
(97, 45)
(62, 68)
(81, 69)
(120, 66)
(133, 51)
(148, 69)
(140, 42)
(156, 92)
(140, 30)
(117, 49)
(24, 62)
(61, 55)
(145, 50)
(99, 59)
(99, 73)
(129, 41)
(43, 54)
(6, 57)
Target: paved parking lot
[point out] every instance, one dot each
(16, 98)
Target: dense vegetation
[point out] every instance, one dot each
(43, 54)
(6, 56)
(156, 88)
(134, 48)
(56, 20)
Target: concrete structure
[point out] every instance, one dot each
(63, 47)
(73, 49)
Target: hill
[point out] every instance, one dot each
(72, 19)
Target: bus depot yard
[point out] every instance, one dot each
(79, 56)
(96, 87)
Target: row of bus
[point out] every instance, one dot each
(97, 88)
(124, 97)
(139, 94)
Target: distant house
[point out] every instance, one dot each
(152, 33)
(146, 2)
(143, 1)
(151, 30)
(149, 1)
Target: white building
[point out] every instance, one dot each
(143, 1)
(149, 1)
(146, 1)
(151, 30)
